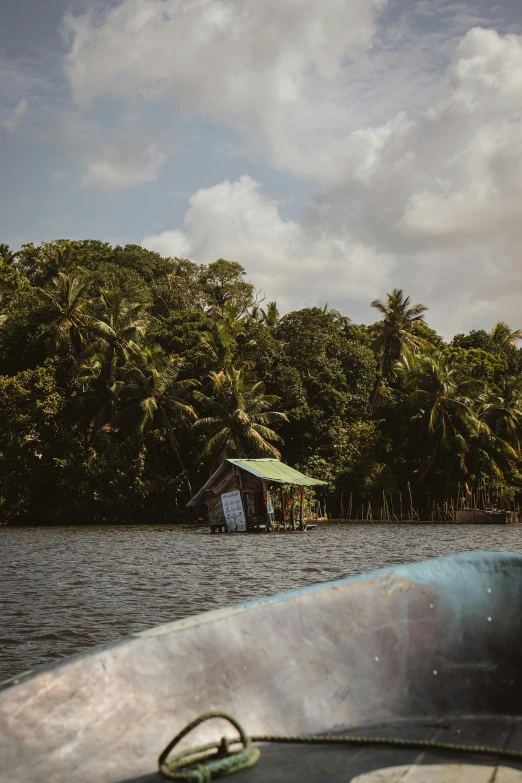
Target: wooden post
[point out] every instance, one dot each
(292, 509)
(268, 520)
(282, 506)
(242, 498)
(301, 510)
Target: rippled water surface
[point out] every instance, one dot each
(65, 589)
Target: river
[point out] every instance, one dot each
(65, 589)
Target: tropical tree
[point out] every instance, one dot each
(66, 298)
(504, 337)
(182, 280)
(113, 329)
(240, 421)
(395, 332)
(7, 255)
(502, 411)
(336, 316)
(438, 404)
(119, 322)
(268, 316)
(60, 258)
(222, 281)
(96, 404)
(219, 345)
(152, 396)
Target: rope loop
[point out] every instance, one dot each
(207, 762)
(204, 763)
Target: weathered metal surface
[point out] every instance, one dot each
(439, 638)
(275, 470)
(263, 468)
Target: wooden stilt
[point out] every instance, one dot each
(292, 508)
(242, 497)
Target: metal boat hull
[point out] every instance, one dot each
(416, 643)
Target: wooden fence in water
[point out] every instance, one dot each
(487, 504)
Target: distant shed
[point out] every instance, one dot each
(244, 493)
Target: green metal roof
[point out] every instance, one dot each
(275, 470)
(265, 468)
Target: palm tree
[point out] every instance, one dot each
(504, 337)
(96, 404)
(3, 316)
(395, 331)
(220, 345)
(60, 258)
(152, 397)
(503, 411)
(336, 316)
(438, 401)
(7, 255)
(268, 317)
(67, 298)
(241, 416)
(271, 314)
(119, 323)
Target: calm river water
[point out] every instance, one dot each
(65, 589)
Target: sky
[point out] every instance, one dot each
(336, 149)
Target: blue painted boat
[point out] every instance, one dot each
(429, 651)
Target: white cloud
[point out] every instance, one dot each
(420, 175)
(170, 244)
(113, 161)
(433, 204)
(284, 258)
(314, 85)
(274, 70)
(13, 122)
(124, 162)
(224, 55)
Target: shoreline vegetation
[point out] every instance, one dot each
(126, 378)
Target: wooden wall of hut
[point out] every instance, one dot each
(251, 488)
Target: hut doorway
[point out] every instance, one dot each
(255, 510)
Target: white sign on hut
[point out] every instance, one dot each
(254, 493)
(233, 511)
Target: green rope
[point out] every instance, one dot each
(199, 766)
(396, 742)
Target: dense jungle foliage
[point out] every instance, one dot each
(126, 377)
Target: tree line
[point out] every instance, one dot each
(126, 378)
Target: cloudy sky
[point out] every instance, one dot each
(336, 148)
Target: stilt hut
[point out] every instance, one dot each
(244, 493)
